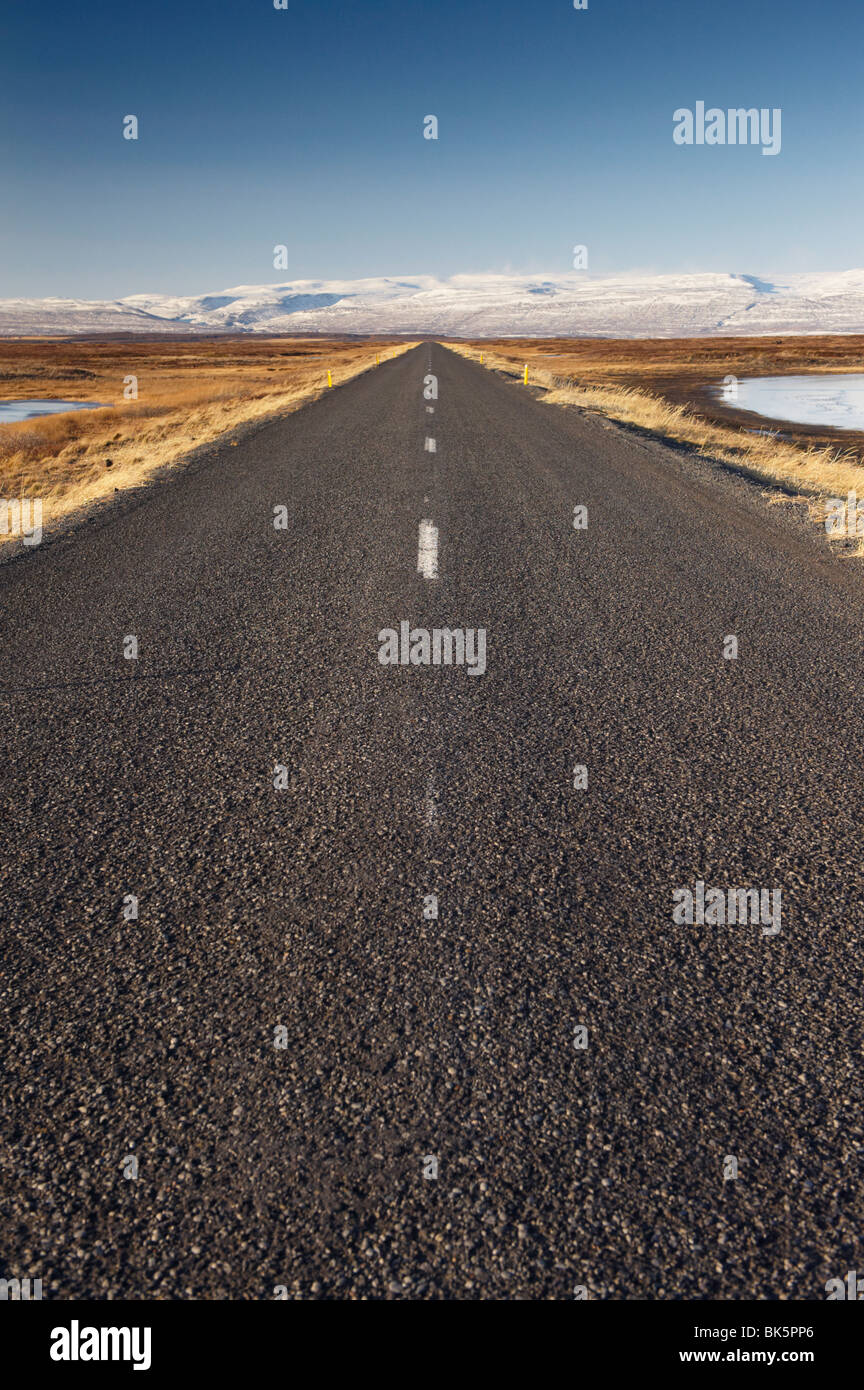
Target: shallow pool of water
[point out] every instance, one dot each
(26, 410)
(836, 400)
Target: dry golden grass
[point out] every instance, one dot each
(189, 393)
(812, 473)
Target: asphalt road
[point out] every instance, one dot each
(407, 1038)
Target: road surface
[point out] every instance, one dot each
(285, 1044)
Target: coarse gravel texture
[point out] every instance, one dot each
(303, 908)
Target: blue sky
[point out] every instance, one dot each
(304, 127)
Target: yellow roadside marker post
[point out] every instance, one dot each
(330, 378)
(525, 377)
(481, 359)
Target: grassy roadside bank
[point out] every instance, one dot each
(813, 472)
(189, 393)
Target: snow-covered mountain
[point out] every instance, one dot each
(572, 304)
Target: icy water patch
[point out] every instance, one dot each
(11, 411)
(836, 400)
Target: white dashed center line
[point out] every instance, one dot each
(427, 550)
(430, 445)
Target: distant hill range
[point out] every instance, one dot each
(573, 304)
